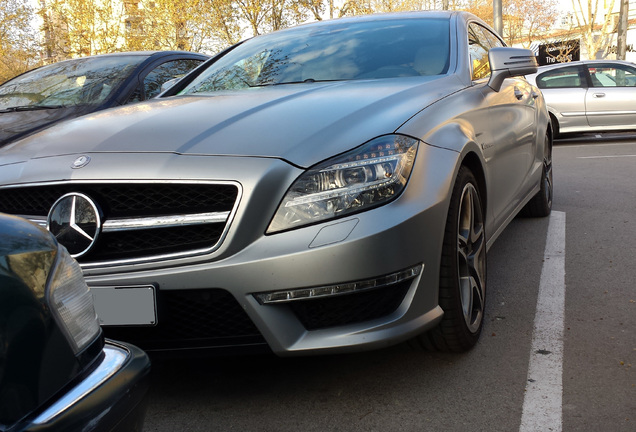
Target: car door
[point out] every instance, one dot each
(565, 90)
(512, 125)
(611, 99)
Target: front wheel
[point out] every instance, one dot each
(462, 290)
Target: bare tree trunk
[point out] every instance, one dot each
(622, 30)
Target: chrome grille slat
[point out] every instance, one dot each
(130, 224)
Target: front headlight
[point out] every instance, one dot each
(72, 303)
(371, 175)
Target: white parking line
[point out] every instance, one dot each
(595, 144)
(606, 157)
(544, 390)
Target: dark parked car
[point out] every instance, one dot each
(41, 97)
(56, 371)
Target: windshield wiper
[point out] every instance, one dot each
(310, 80)
(30, 108)
(307, 81)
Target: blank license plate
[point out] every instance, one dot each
(125, 305)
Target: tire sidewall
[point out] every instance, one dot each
(454, 327)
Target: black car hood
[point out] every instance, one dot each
(18, 124)
(300, 123)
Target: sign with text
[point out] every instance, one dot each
(559, 52)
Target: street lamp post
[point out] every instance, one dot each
(498, 17)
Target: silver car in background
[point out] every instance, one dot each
(590, 95)
(326, 188)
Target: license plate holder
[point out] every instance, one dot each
(125, 305)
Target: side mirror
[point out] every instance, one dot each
(509, 62)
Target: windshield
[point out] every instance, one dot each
(87, 81)
(332, 51)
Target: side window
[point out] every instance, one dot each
(165, 72)
(560, 78)
(136, 96)
(478, 47)
(612, 75)
(493, 40)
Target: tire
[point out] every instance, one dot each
(541, 204)
(555, 126)
(462, 290)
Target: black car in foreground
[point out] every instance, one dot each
(56, 371)
(44, 96)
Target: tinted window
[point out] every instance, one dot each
(166, 72)
(560, 78)
(87, 81)
(340, 51)
(612, 75)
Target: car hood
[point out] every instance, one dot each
(17, 124)
(300, 123)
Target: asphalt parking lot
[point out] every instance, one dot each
(580, 377)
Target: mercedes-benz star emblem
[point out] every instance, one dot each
(75, 221)
(81, 162)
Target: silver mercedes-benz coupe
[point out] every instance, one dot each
(326, 188)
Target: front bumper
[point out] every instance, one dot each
(111, 398)
(220, 296)
(207, 300)
(211, 304)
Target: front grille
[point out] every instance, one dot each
(207, 318)
(134, 201)
(131, 244)
(124, 200)
(352, 308)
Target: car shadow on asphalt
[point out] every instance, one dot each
(577, 138)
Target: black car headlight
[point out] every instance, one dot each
(370, 175)
(72, 303)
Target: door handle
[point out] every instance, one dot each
(599, 95)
